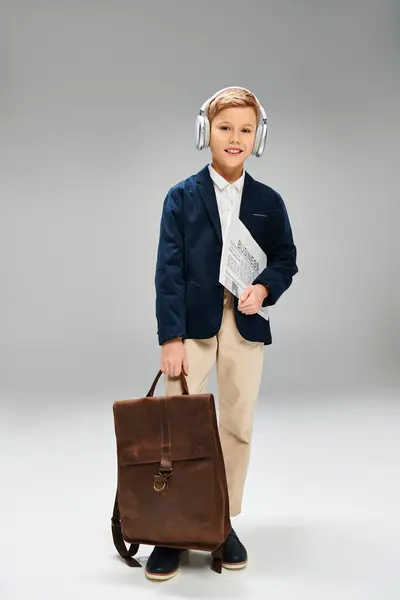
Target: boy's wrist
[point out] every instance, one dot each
(264, 287)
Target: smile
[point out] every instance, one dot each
(233, 151)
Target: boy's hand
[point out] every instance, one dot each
(174, 358)
(252, 298)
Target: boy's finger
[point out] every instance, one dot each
(185, 366)
(247, 302)
(246, 293)
(249, 307)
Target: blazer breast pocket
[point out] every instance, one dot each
(259, 226)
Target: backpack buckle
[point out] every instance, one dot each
(160, 481)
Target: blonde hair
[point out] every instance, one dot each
(230, 98)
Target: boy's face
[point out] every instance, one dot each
(233, 128)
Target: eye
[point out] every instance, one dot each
(225, 127)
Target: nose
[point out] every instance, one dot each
(234, 138)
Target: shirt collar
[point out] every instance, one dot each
(221, 181)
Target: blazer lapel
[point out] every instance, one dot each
(246, 205)
(206, 191)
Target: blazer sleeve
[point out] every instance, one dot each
(281, 257)
(169, 276)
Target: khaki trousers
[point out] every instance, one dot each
(239, 369)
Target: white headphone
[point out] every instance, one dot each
(203, 125)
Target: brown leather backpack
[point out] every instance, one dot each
(171, 488)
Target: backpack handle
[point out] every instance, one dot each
(150, 393)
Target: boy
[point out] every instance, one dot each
(199, 322)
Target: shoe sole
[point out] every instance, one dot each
(234, 566)
(161, 576)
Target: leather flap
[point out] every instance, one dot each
(139, 435)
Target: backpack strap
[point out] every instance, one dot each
(216, 563)
(119, 542)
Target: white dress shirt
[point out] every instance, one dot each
(229, 197)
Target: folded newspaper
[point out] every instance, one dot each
(242, 260)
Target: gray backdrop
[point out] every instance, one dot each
(98, 104)
(98, 101)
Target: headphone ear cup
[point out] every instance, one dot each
(261, 136)
(206, 132)
(199, 132)
(202, 132)
(257, 140)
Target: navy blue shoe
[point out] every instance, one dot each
(163, 563)
(234, 554)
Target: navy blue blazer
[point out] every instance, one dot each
(189, 297)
